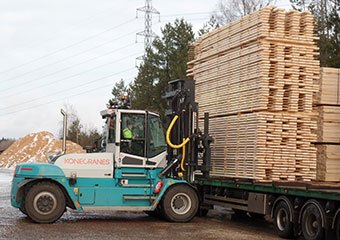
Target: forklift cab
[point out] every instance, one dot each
(135, 137)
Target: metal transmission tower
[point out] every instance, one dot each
(148, 34)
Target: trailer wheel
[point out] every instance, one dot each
(45, 202)
(311, 223)
(180, 204)
(337, 228)
(284, 227)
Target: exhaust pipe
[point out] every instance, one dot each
(64, 130)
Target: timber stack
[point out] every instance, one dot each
(258, 77)
(328, 131)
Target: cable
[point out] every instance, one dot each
(72, 27)
(69, 57)
(67, 47)
(69, 67)
(68, 89)
(187, 14)
(70, 96)
(74, 75)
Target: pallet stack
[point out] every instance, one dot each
(257, 77)
(328, 131)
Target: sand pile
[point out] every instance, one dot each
(35, 147)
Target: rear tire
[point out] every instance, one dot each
(311, 223)
(180, 204)
(45, 202)
(284, 227)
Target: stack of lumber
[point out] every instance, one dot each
(328, 128)
(330, 87)
(258, 77)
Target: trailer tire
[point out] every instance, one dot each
(180, 203)
(45, 202)
(311, 222)
(284, 227)
(337, 228)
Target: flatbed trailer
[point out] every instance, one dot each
(308, 208)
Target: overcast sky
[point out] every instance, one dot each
(72, 52)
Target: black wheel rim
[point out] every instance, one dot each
(312, 225)
(44, 203)
(282, 219)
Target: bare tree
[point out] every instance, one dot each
(230, 10)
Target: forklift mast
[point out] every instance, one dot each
(180, 99)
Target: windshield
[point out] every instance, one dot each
(156, 141)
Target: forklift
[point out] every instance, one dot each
(144, 170)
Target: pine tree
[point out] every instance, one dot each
(166, 60)
(327, 18)
(119, 89)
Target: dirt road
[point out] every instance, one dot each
(219, 224)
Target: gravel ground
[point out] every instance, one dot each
(219, 224)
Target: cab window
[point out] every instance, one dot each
(133, 134)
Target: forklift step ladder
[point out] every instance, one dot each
(138, 176)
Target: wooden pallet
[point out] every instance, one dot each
(268, 146)
(328, 164)
(328, 119)
(329, 87)
(258, 78)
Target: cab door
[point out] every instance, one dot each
(132, 139)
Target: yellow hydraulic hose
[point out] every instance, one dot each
(183, 157)
(182, 145)
(185, 141)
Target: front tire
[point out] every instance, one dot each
(311, 223)
(45, 202)
(180, 203)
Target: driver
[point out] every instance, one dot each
(127, 132)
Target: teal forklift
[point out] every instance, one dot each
(139, 169)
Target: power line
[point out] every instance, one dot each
(72, 27)
(69, 57)
(68, 77)
(70, 96)
(67, 47)
(188, 14)
(69, 67)
(68, 89)
(81, 41)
